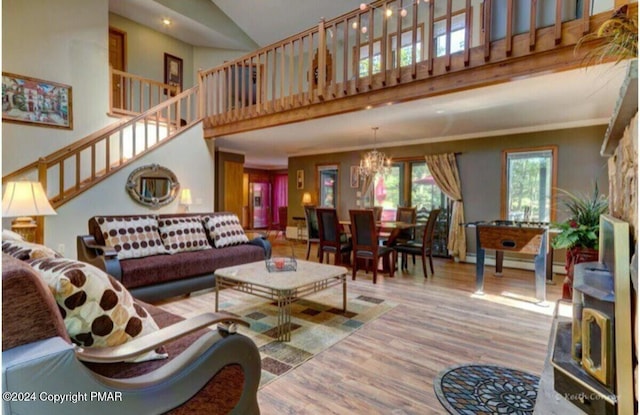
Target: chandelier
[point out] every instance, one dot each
(374, 162)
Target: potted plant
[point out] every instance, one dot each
(618, 36)
(579, 233)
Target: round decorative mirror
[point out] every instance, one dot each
(153, 185)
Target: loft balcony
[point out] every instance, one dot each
(351, 62)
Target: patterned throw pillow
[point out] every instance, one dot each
(182, 234)
(225, 230)
(97, 310)
(8, 235)
(26, 250)
(133, 237)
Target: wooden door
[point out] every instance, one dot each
(117, 60)
(233, 174)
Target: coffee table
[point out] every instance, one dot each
(282, 287)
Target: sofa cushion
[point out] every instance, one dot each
(26, 250)
(97, 310)
(182, 234)
(133, 237)
(225, 230)
(157, 269)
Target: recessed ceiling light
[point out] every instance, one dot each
(368, 107)
(166, 22)
(439, 111)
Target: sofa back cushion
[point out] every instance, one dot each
(131, 236)
(182, 234)
(97, 310)
(224, 229)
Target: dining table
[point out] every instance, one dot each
(392, 227)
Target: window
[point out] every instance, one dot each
(456, 37)
(328, 185)
(528, 183)
(405, 52)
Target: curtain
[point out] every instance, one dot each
(444, 169)
(280, 194)
(366, 183)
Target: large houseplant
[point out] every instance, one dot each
(579, 233)
(618, 37)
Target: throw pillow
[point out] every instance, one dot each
(97, 310)
(225, 230)
(133, 237)
(8, 235)
(26, 250)
(182, 234)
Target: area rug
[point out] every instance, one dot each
(474, 389)
(316, 325)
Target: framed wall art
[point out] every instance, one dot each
(300, 179)
(36, 102)
(173, 71)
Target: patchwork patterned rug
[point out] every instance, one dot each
(316, 325)
(483, 389)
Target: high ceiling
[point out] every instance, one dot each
(551, 101)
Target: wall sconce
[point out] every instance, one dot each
(306, 198)
(185, 199)
(22, 200)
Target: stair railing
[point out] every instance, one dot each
(73, 169)
(132, 94)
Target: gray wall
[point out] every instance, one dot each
(579, 164)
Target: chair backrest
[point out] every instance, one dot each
(328, 226)
(430, 227)
(377, 213)
(282, 217)
(312, 222)
(407, 215)
(363, 230)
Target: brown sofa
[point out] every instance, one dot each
(207, 371)
(157, 277)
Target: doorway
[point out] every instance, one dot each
(118, 61)
(259, 204)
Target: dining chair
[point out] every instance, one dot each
(423, 247)
(332, 239)
(364, 236)
(313, 233)
(407, 215)
(280, 227)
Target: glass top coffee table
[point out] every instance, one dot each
(283, 287)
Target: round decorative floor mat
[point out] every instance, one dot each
(475, 389)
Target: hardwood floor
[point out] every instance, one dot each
(389, 365)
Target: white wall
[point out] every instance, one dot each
(63, 41)
(189, 157)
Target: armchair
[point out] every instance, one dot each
(208, 371)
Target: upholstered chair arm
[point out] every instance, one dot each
(103, 257)
(48, 370)
(152, 341)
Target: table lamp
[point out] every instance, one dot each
(185, 198)
(306, 198)
(22, 200)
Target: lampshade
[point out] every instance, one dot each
(306, 198)
(25, 198)
(185, 197)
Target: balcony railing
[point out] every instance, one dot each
(382, 45)
(131, 94)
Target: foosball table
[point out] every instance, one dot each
(513, 236)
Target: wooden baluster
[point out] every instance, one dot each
(399, 46)
(487, 30)
(384, 54)
(586, 12)
(42, 178)
(431, 43)
(558, 23)
(532, 24)
(345, 58)
(414, 41)
(334, 69)
(356, 58)
(467, 33)
(371, 31)
(322, 60)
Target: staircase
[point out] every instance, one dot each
(75, 168)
